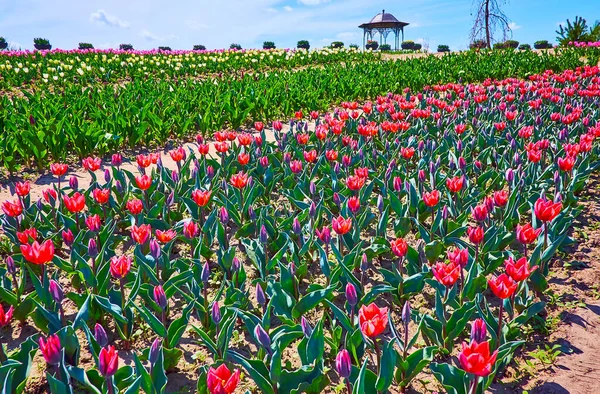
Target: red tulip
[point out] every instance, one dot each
(431, 199)
(143, 161)
(93, 222)
(476, 235)
(51, 349)
(143, 182)
(243, 158)
(341, 226)
(407, 153)
(296, 166)
(353, 204)
(399, 247)
(135, 206)
(221, 380)
(459, 256)
(75, 203)
(355, 182)
(455, 184)
(177, 154)
(259, 126)
(58, 169)
(373, 320)
(22, 188)
(190, 229)
(475, 358)
(566, 164)
(165, 236)
(502, 286)
(201, 197)
(446, 274)
(480, 213)
(141, 234)
(501, 198)
(38, 254)
(460, 128)
(25, 235)
(310, 156)
(49, 195)
(12, 209)
(108, 361)
(6, 317)
(324, 235)
(546, 210)
(527, 234)
(518, 270)
(331, 155)
(239, 180)
(92, 163)
(362, 172)
(302, 139)
(203, 149)
(120, 266)
(101, 195)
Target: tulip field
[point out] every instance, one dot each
(354, 248)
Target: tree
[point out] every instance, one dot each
(578, 31)
(489, 20)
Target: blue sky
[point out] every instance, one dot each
(181, 23)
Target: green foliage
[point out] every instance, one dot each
(385, 47)
(269, 45)
(199, 47)
(303, 44)
(408, 45)
(372, 44)
(478, 44)
(166, 49)
(337, 44)
(512, 44)
(85, 45)
(235, 46)
(41, 41)
(525, 47)
(126, 47)
(542, 44)
(443, 48)
(578, 31)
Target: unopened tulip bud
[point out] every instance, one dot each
(154, 249)
(56, 291)
(336, 199)
(39, 204)
(364, 263)
(216, 313)
(224, 216)
(210, 172)
(262, 337)
(194, 173)
(205, 274)
(154, 351)
(478, 331)
(260, 295)
(510, 176)
(73, 183)
(235, 264)
(175, 176)
(462, 163)
(351, 295)
(292, 268)
(263, 237)
(336, 167)
(100, 335)
(251, 213)
(343, 364)
(10, 265)
(160, 297)
(296, 227)
(92, 248)
(116, 159)
(445, 212)
(159, 163)
(106, 175)
(422, 175)
(459, 145)
(556, 178)
(380, 203)
(312, 188)
(421, 146)
(312, 210)
(406, 313)
(306, 327)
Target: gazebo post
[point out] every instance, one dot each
(383, 23)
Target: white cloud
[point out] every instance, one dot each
(102, 17)
(272, 10)
(312, 2)
(148, 35)
(287, 8)
(195, 25)
(514, 26)
(347, 34)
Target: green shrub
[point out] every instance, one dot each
(478, 44)
(511, 44)
(85, 45)
(164, 48)
(235, 46)
(126, 47)
(337, 44)
(525, 47)
(353, 46)
(418, 47)
(268, 45)
(408, 45)
(499, 45)
(542, 44)
(443, 48)
(199, 47)
(385, 47)
(372, 44)
(41, 41)
(303, 44)
(2, 40)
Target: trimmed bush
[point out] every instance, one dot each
(303, 44)
(126, 47)
(385, 47)
(268, 45)
(41, 44)
(418, 47)
(199, 47)
(499, 45)
(235, 46)
(511, 44)
(164, 48)
(408, 45)
(85, 45)
(353, 46)
(542, 44)
(525, 47)
(337, 44)
(443, 48)
(373, 45)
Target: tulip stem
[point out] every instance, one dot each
(377, 354)
(109, 385)
(348, 387)
(473, 389)
(16, 284)
(123, 302)
(500, 322)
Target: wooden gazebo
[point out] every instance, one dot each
(384, 24)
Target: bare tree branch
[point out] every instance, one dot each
(490, 21)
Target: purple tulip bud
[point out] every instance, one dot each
(433, 145)
(56, 291)
(388, 174)
(260, 295)
(250, 181)
(73, 183)
(159, 163)
(175, 176)
(510, 176)
(336, 167)
(159, 297)
(360, 154)
(92, 248)
(306, 328)
(235, 264)
(312, 188)
(364, 263)
(292, 268)
(343, 364)
(445, 212)
(452, 165)
(100, 335)
(397, 184)
(421, 146)
(351, 295)
(10, 265)
(263, 237)
(459, 146)
(216, 313)
(210, 171)
(513, 145)
(154, 351)
(406, 313)
(116, 159)
(336, 198)
(478, 331)
(194, 173)
(155, 249)
(380, 203)
(251, 213)
(422, 176)
(312, 210)
(538, 120)
(39, 204)
(556, 178)
(517, 158)
(296, 227)
(287, 157)
(205, 274)
(106, 175)
(170, 199)
(262, 337)
(119, 187)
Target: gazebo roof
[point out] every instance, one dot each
(383, 20)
